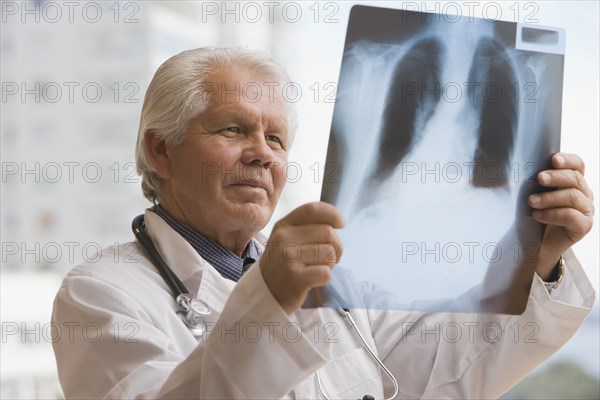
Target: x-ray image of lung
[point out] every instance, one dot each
(440, 126)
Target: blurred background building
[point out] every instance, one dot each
(73, 79)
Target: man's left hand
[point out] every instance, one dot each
(568, 210)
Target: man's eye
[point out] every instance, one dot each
(233, 129)
(273, 138)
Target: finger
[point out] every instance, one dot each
(568, 161)
(314, 275)
(564, 178)
(315, 254)
(315, 213)
(569, 218)
(571, 197)
(307, 234)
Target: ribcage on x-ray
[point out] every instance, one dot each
(490, 81)
(437, 134)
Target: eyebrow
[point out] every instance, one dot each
(222, 117)
(245, 119)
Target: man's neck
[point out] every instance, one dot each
(234, 241)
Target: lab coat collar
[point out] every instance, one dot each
(197, 274)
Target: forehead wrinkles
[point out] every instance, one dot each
(251, 91)
(237, 83)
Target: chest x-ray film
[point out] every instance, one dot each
(441, 124)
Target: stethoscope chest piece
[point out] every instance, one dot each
(194, 313)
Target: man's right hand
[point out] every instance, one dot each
(301, 252)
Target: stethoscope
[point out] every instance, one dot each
(195, 312)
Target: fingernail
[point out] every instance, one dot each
(535, 199)
(544, 177)
(560, 160)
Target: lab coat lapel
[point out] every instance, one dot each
(211, 286)
(197, 274)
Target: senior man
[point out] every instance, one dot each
(212, 147)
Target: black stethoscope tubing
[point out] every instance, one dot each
(175, 284)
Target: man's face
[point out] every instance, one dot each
(227, 174)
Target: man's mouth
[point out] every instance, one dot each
(253, 184)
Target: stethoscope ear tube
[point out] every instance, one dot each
(139, 229)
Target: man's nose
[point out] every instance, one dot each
(257, 151)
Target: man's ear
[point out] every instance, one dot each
(156, 149)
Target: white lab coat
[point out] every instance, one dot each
(121, 337)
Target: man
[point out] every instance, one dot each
(212, 146)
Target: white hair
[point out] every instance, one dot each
(177, 94)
